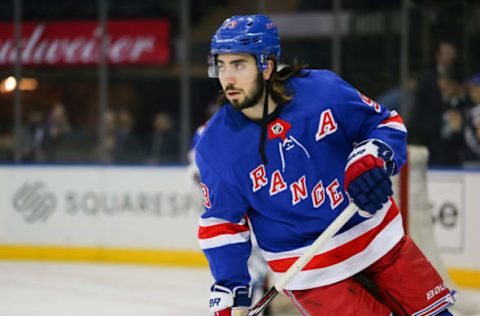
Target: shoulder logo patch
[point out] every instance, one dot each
(278, 129)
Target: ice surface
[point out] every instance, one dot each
(79, 289)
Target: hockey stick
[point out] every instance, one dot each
(302, 261)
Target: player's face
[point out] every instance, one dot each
(240, 80)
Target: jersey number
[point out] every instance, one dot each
(206, 198)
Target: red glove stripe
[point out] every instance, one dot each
(361, 166)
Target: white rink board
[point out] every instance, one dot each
(455, 200)
(158, 208)
(133, 207)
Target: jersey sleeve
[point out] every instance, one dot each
(362, 118)
(224, 232)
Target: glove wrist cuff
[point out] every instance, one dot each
(375, 148)
(223, 298)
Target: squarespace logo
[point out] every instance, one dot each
(36, 203)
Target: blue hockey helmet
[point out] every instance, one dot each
(253, 34)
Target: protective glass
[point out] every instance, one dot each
(237, 69)
(212, 66)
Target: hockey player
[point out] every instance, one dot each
(283, 156)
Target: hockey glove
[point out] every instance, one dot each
(367, 175)
(226, 302)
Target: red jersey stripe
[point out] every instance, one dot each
(396, 119)
(221, 229)
(340, 253)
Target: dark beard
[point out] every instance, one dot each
(251, 101)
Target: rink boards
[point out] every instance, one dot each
(100, 213)
(149, 215)
(454, 197)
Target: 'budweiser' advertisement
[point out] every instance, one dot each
(140, 42)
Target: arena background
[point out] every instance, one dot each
(99, 100)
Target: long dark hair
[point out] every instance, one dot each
(278, 89)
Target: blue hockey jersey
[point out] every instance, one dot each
(289, 201)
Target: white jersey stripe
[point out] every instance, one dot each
(224, 240)
(394, 125)
(211, 221)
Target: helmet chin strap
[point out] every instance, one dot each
(264, 123)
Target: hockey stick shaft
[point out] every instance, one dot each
(303, 260)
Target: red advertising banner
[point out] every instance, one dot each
(139, 42)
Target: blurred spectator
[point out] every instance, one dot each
(127, 147)
(32, 136)
(6, 147)
(426, 119)
(446, 57)
(58, 123)
(163, 146)
(110, 135)
(452, 147)
(401, 99)
(472, 128)
(57, 133)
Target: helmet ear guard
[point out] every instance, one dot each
(262, 62)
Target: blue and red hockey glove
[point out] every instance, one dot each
(226, 302)
(367, 175)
